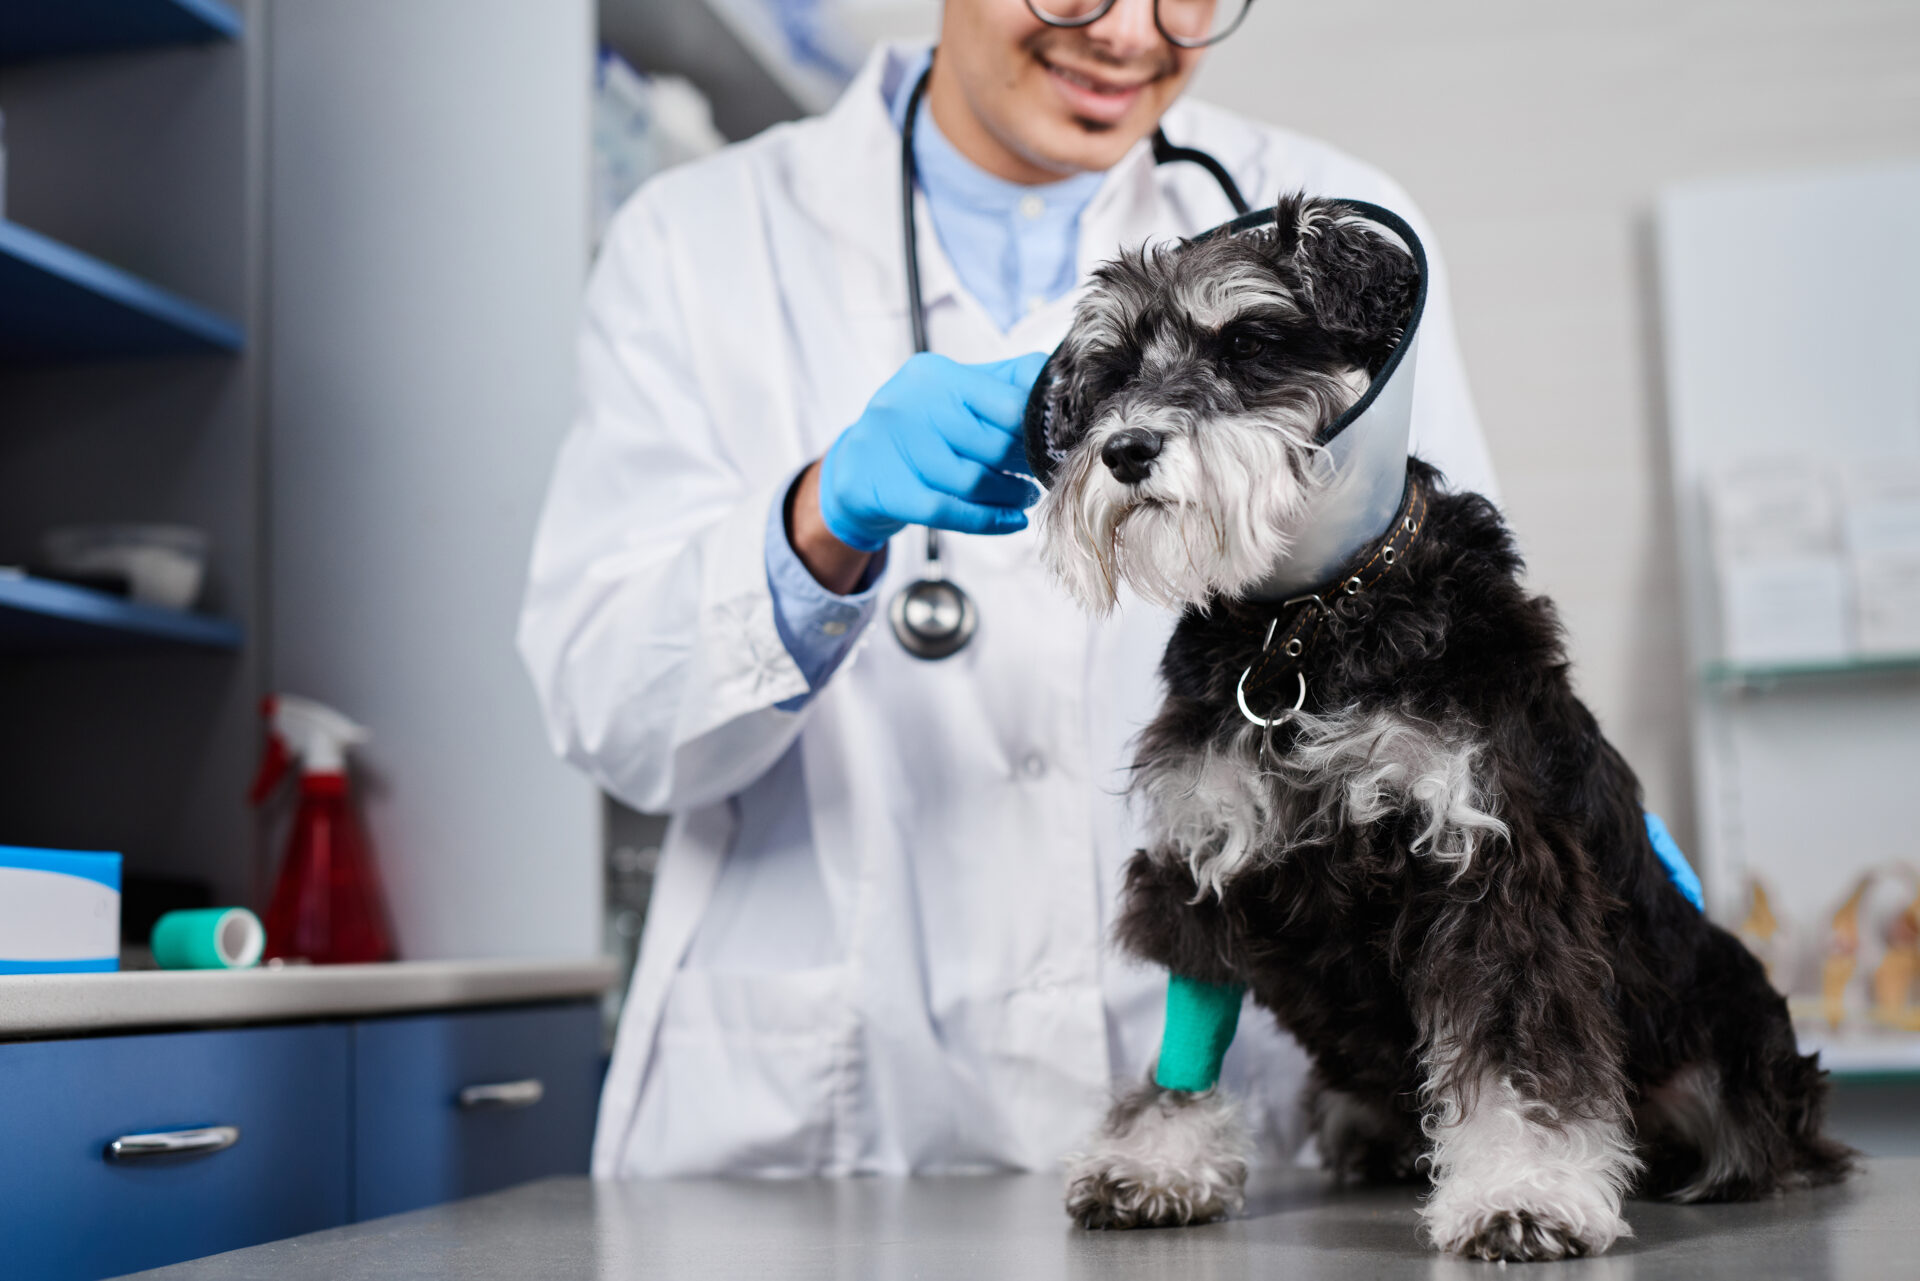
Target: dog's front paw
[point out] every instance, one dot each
(1513, 1233)
(1164, 1158)
(1519, 1236)
(1122, 1193)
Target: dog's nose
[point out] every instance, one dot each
(1129, 454)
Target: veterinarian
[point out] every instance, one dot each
(876, 942)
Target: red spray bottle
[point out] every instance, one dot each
(327, 905)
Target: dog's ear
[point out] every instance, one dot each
(1046, 411)
(1059, 408)
(1359, 283)
(1079, 374)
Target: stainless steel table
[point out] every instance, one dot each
(1011, 1228)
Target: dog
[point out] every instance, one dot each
(1435, 874)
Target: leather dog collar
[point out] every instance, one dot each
(1285, 651)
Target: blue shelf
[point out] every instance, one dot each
(33, 29)
(57, 303)
(37, 616)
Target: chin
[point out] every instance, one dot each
(1067, 145)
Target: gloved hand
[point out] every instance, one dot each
(933, 447)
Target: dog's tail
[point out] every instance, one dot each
(1818, 1159)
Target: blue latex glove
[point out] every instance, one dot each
(1679, 871)
(934, 447)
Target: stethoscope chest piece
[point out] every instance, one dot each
(931, 616)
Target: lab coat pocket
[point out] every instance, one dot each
(744, 1074)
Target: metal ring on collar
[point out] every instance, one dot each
(1240, 692)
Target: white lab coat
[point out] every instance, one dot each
(877, 941)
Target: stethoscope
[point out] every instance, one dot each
(933, 617)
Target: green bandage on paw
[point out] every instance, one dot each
(1201, 1018)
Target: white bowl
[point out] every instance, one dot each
(164, 564)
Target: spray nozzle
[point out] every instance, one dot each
(300, 729)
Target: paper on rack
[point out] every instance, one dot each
(1784, 585)
(1883, 538)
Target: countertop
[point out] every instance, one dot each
(42, 1005)
(1011, 1228)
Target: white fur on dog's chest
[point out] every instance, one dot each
(1226, 808)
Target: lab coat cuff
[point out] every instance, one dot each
(738, 660)
(817, 626)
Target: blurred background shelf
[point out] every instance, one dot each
(57, 303)
(35, 29)
(1863, 1053)
(38, 616)
(1742, 675)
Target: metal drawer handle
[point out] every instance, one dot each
(132, 1147)
(503, 1094)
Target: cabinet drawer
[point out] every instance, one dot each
(72, 1212)
(417, 1142)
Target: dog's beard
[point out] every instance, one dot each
(1215, 515)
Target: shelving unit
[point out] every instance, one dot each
(38, 616)
(136, 185)
(57, 303)
(1802, 769)
(34, 29)
(1739, 676)
(1853, 1053)
(690, 38)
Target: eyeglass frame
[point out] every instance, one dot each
(1105, 7)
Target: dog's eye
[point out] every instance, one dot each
(1244, 346)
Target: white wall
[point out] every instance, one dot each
(1535, 135)
(428, 216)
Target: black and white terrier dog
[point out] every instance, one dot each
(1435, 874)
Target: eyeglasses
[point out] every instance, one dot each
(1190, 24)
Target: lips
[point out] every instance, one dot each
(1091, 97)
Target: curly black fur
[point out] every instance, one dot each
(1561, 955)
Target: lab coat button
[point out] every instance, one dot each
(1032, 207)
(1034, 765)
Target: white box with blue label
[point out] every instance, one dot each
(59, 911)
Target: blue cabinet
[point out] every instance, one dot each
(328, 1122)
(452, 1105)
(70, 1211)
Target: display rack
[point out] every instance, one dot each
(1802, 768)
(34, 29)
(38, 616)
(1727, 675)
(1856, 1054)
(57, 303)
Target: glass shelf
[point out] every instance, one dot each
(1727, 675)
(1862, 1053)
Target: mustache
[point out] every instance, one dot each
(1074, 43)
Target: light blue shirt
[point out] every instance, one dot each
(1014, 249)
(1012, 246)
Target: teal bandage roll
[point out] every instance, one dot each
(1201, 1019)
(208, 938)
